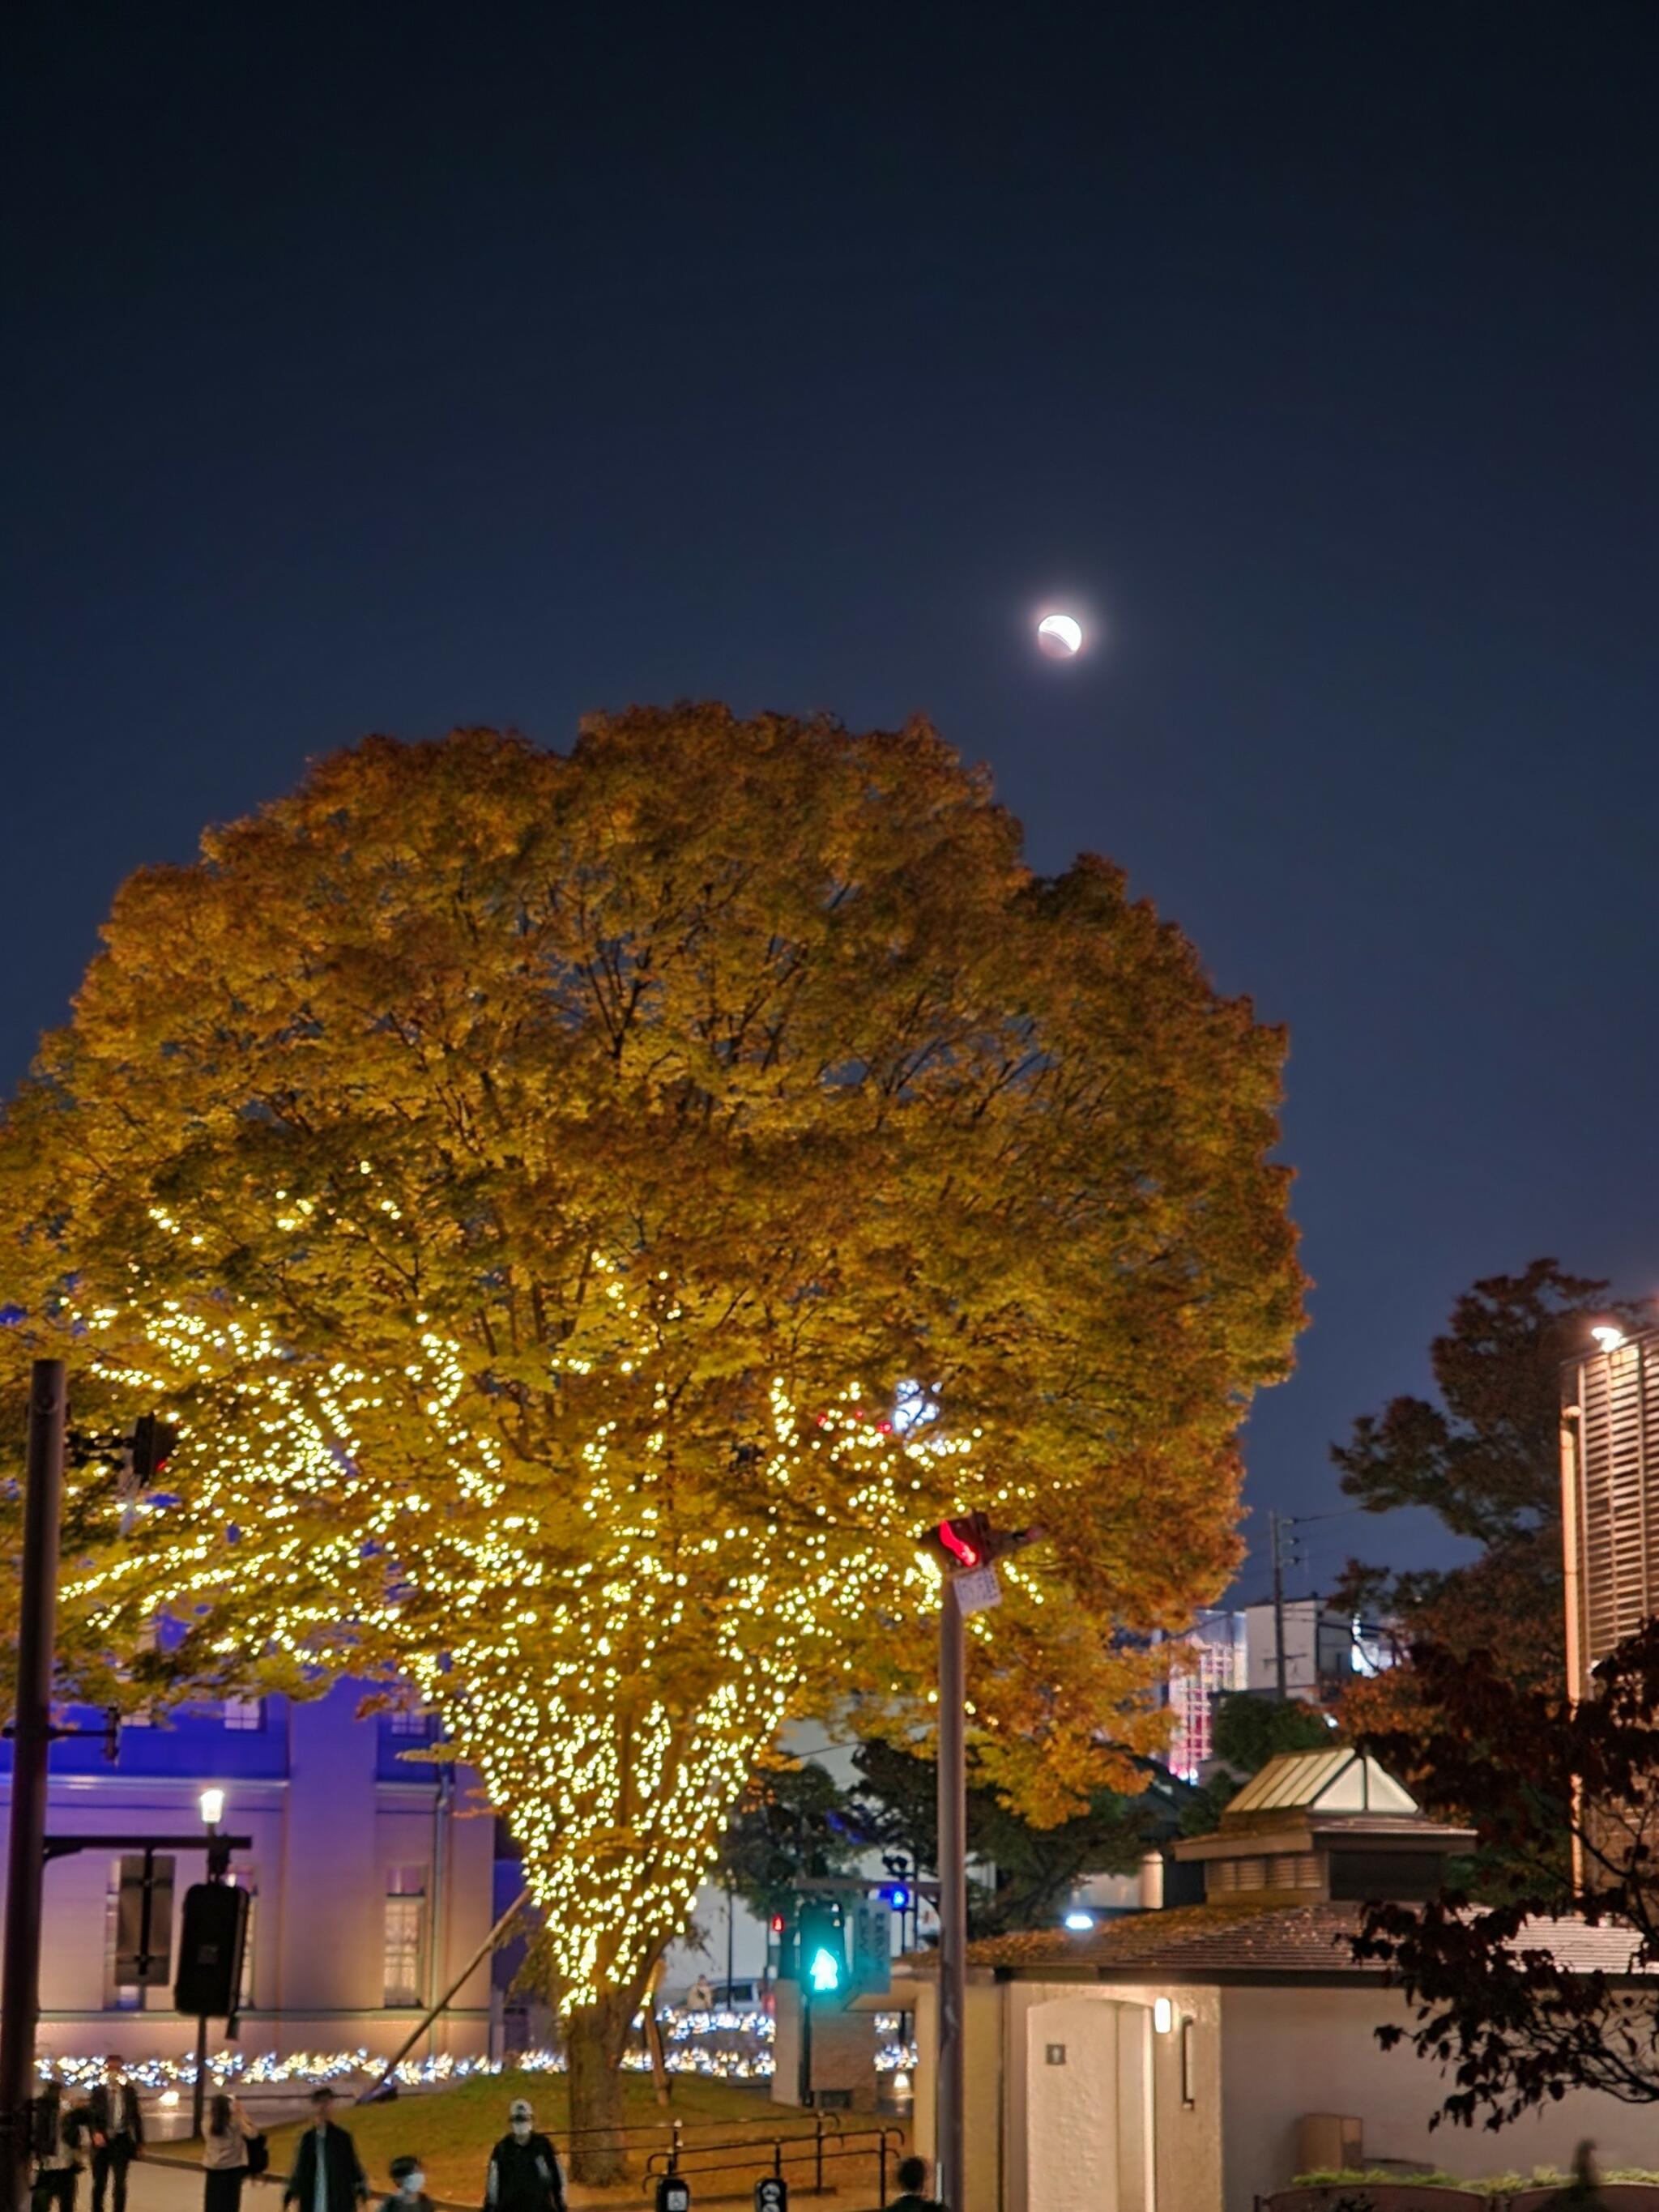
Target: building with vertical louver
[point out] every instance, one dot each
(1610, 1495)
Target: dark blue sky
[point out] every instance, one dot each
(394, 367)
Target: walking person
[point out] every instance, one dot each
(327, 2176)
(118, 2135)
(224, 2154)
(912, 2181)
(58, 2134)
(524, 2174)
(409, 2194)
(1582, 2193)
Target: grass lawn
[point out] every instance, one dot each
(453, 2131)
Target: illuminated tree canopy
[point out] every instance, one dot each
(531, 1180)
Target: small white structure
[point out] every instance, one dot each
(1187, 2060)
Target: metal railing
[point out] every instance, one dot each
(827, 2143)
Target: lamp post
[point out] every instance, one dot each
(211, 1805)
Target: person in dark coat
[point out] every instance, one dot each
(59, 2132)
(912, 2181)
(524, 2168)
(118, 2135)
(327, 2176)
(1582, 2193)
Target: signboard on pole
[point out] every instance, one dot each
(977, 1589)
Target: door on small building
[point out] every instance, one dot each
(1089, 2136)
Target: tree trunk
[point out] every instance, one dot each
(594, 2037)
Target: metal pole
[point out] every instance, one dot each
(1275, 1526)
(20, 1997)
(948, 2116)
(200, 2094)
(492, 1941)
(730, 1933)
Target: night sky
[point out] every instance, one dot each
(391, 367)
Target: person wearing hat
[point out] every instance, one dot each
(409, 2194)
(524, 2168)
(327, 2176)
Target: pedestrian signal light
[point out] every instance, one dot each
(963, 1540)
(823, 1953)
(898, 1897)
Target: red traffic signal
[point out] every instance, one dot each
(153, 1443)
(968, 1540)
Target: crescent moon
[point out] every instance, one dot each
(1060, 636)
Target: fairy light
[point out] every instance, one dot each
(612, 1665)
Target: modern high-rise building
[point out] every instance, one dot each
(1610, 1494)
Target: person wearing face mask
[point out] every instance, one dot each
(524, 2168)
(409, 2194)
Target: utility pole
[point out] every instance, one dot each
(1275, 1524)
(19, 1998)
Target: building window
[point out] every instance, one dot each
(248, 1878)
(125, 1936)
(245, 1714)
(411, 1722)
(404, 1973)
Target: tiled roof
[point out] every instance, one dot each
(1261, 1934)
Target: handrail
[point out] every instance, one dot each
(876, 2141)
(830, 2119)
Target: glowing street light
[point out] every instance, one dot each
(212, 1804)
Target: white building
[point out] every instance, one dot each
(1324, 1649)
(1187, 2060)
(370, 1888)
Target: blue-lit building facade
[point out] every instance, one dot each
(371, 1875)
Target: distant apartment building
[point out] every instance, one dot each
(1324, 1649)
(1610, 1494)
(370, 1876)
(1225, 1651)
(1212, 1660)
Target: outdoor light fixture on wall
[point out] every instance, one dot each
(1163, 2016)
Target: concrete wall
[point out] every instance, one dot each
(1106, 2126)
(1285, 2052)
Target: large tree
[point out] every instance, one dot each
(1026, 1870)
(1485, 1460)
(1509, 1996)
(529, 1181)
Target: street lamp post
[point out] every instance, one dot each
(211, 1804)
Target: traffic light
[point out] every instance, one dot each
(968, 1540)
(153, 1443)
(823, 1954)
